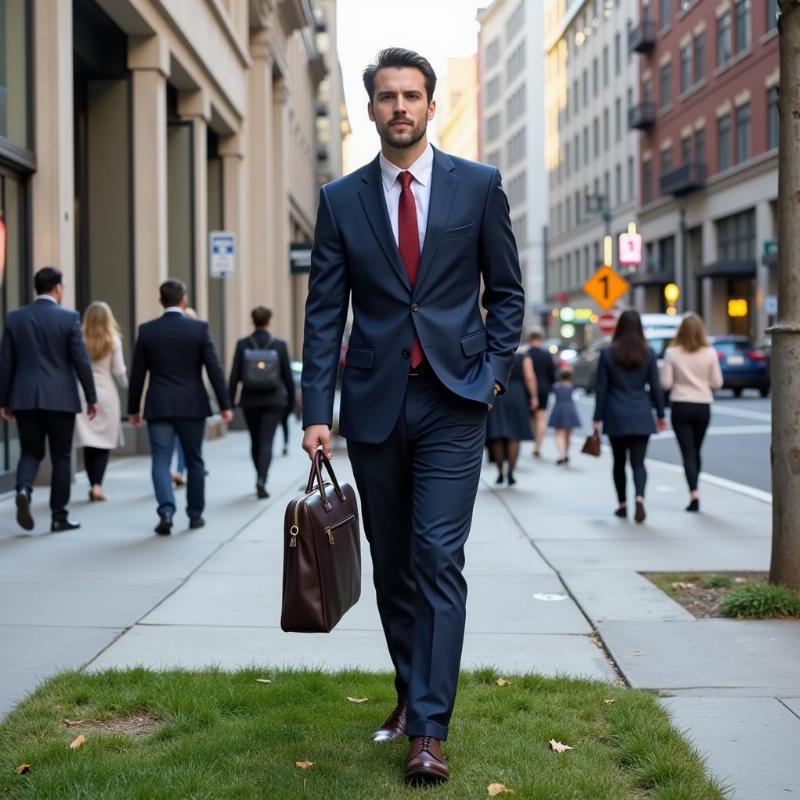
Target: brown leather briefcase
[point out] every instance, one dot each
(321, 554)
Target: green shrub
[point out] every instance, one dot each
(761, 601)
(718, 582)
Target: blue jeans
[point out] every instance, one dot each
(163, 433)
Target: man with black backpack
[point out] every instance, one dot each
(261, 364)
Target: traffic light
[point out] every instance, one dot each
(671, 295)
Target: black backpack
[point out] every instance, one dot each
(261, 371)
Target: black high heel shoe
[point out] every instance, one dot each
(694, 505)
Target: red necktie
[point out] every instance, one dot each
(408, 243)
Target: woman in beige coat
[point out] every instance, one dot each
(104, 433)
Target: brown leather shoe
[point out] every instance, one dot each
(425, 763)
(393, 727)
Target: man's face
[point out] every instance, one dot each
(400, 107)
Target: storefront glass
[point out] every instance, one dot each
(14, 73)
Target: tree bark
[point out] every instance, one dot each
(785, 451)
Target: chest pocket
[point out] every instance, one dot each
(451, 234)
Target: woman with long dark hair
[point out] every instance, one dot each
(691, 372)
(628, 388)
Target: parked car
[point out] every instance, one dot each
(744, 365)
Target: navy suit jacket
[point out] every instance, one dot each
(626, 397)
(355, 256)
(174, 349)
(42, 353)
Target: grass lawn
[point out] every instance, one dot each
(212, 734)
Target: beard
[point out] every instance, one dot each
(404, 138)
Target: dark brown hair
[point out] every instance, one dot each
(691, 335)
(629, 348)
(171, 292)
(261, 316)
(46, 279)
(398, 57)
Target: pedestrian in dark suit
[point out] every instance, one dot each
(263, 409)
(173, 349)
(408, 238)
(544, 369)
(628, 388)
(42, 353)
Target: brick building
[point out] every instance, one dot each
(709, 161)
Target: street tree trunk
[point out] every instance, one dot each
(785, 567)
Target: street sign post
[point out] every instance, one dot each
(606, 286)
(222, 250)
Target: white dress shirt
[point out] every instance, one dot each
(421, 171)
(174, 310)
(46, 297)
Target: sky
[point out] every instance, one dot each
(438, 29)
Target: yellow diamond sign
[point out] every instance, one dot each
(606, 286)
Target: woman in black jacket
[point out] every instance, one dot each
(628, 388)
(263, 401)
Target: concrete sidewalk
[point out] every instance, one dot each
(548, 567)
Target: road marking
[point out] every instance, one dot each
(730, 430)
(742, 413)
(715, 480)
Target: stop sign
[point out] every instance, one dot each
(607, 322)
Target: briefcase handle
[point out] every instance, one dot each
(316, 474)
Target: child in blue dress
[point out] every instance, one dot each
(564, 416)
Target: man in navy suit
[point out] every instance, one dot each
(173, 349)
(42, 353)
(408, 238)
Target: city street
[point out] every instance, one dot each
(737, 443)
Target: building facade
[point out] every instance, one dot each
(131, 129)
(709, 121)
(457, 108)
(592, 157)
(511, 136)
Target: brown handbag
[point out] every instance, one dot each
(321, 554)
(592, 445)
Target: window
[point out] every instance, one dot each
(742, 27)
(577, 149)
(618, 119)
(516, 22)
(665, 15)
(595, 77)
(606, 129)
(493, 127)
(699, 57)
(665, 85)
(493, 90)
(647, 91)
(773, 118)
(492, 53)
(586, 144)
(569, 214)
(516, 189)
(567, 154)
(631, 178)
(493, 158)
(15, 85)
(617, 54)
(742, 133)
(515, 63)
(700, 146)
(618, 183)
(515, 105)
(628, 32)
(607, 188)
(647, 181)
(772, 15)
(666, 161)
(605, 66)
(724, 141)
(686, 149)
(736, 237)
(515, 147)
(586, 87)
(723, 39)
(686, 67)
(666, 255)
(577, 208)
(596, 137)
(575, 96)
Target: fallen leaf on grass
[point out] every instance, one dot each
(558, 747)
(263, 680)
(303, 764)
(22, 769)
(357, 700)
(77, 742)
(72, 723)
(682, 585)
(503, 682)
(495, 789)
(609, 702)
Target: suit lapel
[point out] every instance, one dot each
(374, 202)
(443, 191)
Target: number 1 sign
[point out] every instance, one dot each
(630, 249)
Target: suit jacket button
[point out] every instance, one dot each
(414, 307)
(405, 354)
